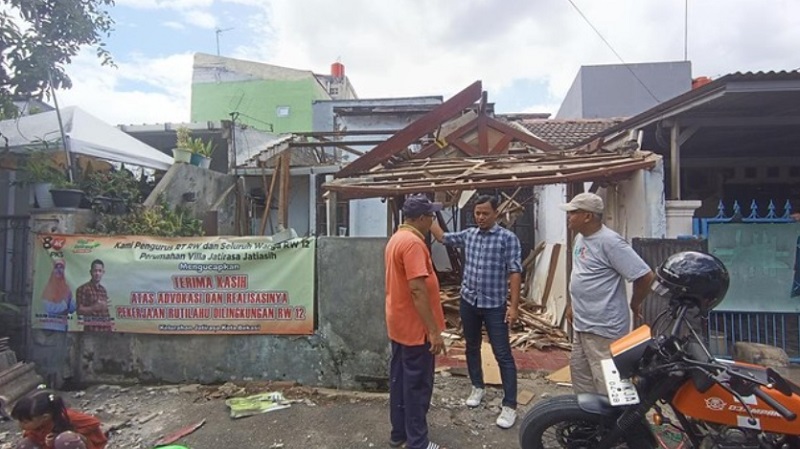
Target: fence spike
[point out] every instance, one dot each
(720, 210)
(753, 211)
(771, 210)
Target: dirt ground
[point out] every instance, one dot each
(318, 419)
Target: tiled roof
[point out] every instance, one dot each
(566, 133)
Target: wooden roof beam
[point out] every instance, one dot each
(424, 125)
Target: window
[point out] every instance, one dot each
(282, 111)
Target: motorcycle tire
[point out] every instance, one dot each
(573, 428)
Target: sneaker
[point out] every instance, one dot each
(475, 397)
(507, 418)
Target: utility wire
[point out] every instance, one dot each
(614, 51)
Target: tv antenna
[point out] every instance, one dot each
(219, 31)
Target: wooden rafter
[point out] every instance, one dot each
(439, 174)
(426, 124)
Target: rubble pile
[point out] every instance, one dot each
(532, 330)
(16, 378)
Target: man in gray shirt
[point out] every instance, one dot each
(601, 263)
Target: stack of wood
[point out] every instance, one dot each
(16, 378)
(533, 329)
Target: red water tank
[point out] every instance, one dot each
(337, 70)
(700, 81)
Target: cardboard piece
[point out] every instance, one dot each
(491, 372)
(524, 397)
(561, 376)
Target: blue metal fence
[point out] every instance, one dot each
(700, 225)
(726, 328)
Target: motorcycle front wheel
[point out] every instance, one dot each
(560, 423)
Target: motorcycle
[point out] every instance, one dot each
(714, 404)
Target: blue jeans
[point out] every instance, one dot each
(472, 320)
(410, 391)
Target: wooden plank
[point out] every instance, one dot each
(268, 199)
(283, 194)
(365, 189)
(502, 145)
(426, 124)
(551, 273)
(483, 135)
(464, 146)
(519, 135)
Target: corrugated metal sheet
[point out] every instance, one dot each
(695, 94)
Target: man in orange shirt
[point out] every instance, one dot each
(415, 321)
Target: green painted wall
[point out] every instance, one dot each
(258, 102)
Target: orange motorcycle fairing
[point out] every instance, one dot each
(628, 350)
(718, 406)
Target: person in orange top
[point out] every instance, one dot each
(414, 321)
(47, 423)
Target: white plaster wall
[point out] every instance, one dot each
(636, 207)
(551, 221)
(367, 218)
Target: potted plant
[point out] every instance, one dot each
(113, 191)
(39, 171)
(182, 153)
(201, 152)
(66, 193)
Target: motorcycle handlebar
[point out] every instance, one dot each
(777, 406)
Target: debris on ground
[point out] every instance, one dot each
(178, 434)
(533, 329)
(137, 415)
(16, 378)
(256, 404)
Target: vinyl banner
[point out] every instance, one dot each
(192, 285)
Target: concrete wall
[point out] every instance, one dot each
(572, 104)
(14, 199)
(551, 221)
(349, 349)
(636, 207)
(207, 186)
(54, 353)
(221, 86)
(613, 90)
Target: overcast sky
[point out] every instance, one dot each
(527, 53)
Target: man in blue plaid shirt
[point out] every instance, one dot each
(492, 261)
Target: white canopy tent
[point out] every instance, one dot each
(86, 134)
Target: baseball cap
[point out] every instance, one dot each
(585, 201)
(418, 204)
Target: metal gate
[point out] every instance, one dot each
(654, 252)
(725, 328)
(14, 236)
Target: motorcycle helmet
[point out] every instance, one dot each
(694, 276)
